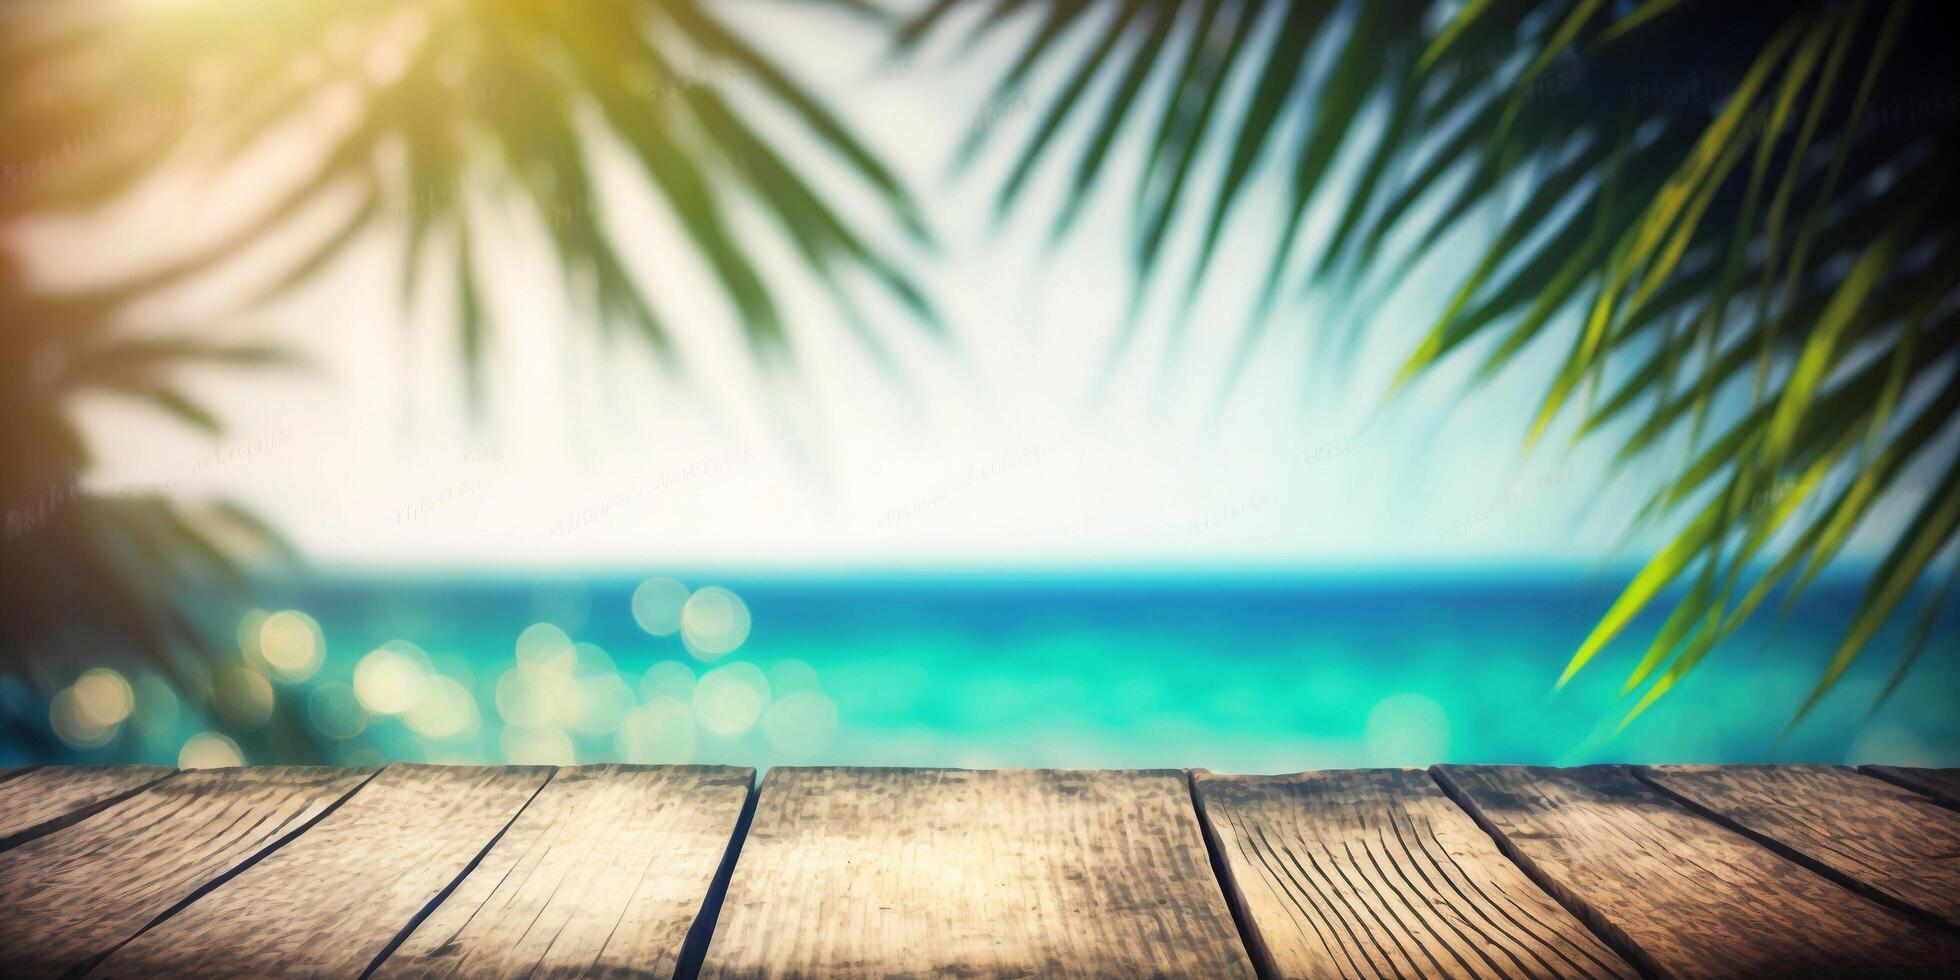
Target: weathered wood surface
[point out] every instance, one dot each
(603, 874)
(1365, 873)
(1682, 894)
(1869, 834)
(74, 896)
(333, 901)
(46, 799)
(619, 870)
(1009, 873)
(1941, 783)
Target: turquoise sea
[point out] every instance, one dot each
(1238, 673)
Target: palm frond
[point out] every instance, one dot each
(450, 106)
(420, 114)
(134, 580)
(1695, 195)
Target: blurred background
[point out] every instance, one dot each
(1260, 387)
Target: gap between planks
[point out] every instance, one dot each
(690, 953)
(1374, 921)
(1228, 883)
(223, 877)
(694, 949)
(82, 808)
(12, 771)
(1862, 935)
(1792, 852)
(428, 908)
(1913, 780)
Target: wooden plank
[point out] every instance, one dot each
(44, 800)
(1943, 784)
(1377, 873)
(1680, 894)
(70, 898)
(332, 902)
(603, 874)
(947, 872)
(1868, 835)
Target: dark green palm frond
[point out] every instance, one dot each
(124, 579)
(1738, 221)
(421, 110)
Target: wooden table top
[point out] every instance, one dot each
(612, 870)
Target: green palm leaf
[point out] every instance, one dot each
(1635, 208)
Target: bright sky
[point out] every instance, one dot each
(997, 450)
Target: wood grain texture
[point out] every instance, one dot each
(1010, 873)
(602, 875)
(43, 800)
(1869, 834)
(1375, 873)
(332, 901)
(68, 898)
(1943, 784)
(1680, 893)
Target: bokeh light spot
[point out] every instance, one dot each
(657, 605)
(668, 679)
(521, 702)
(728, 700)
(714, 622)
(104, 697)
(74, 726)
(443, 709)
(290, 642)
(545, 645)
(209, 750)
(388, 680)
(592, 658)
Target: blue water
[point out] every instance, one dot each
(1252, 673)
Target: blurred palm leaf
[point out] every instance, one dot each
(415, 117)
(122, 578)
(1741, 220)
(420, 114)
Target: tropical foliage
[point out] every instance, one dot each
(417, 117)
(1738, 221)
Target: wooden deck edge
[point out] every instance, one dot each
(1882, 774)
(77, 815)
(1254, 942)
(428, 908)
(694, 948)
(1890, 903)
(1612, 935)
